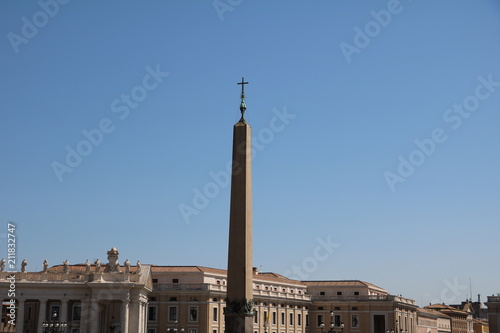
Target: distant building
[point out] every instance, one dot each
(481, 326)
(357, 306)
(493, 305)
(461, 320)
(432, 321)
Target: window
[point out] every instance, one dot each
(152, 313)
(337, 320)
(77, 311)
(291, 319)
(215, 313)
(256, 317)
(320, 320)
(218, 281)
(274, 318)
(320, 308)
(151, 330)
(29, 312)
(356, 293)
(172, 313)
(266, 319)
(339, 293)
(75, 330)
(152, 299)
(282, 318)
(175, 280)
(193, 330)
(214, 331)
(173, 299)
(354, 321)
(155, 280)
(299, 319)
(307, 320)
(55, 309)
(322, 293)
(354, 308)
(337, 308)
(193, 313)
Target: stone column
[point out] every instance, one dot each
(124, 315)
(145, 316)
(42, 315)
(20, 316)
(84, 316)
(63, 316)
(94, 315)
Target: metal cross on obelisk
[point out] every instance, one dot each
(243, 106)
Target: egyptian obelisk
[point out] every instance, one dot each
(239, 304)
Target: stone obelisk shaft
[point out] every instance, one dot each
(239, 314)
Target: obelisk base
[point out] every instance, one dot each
(239, 323)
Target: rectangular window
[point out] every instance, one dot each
(274, 318)
(55, 309)
(77, 311)
(321, 293)
(172, 313)
(320, 320)
(266, 318)
(354, 308)
(215, 313)
(193, 313)
(307, 320)
(175, 280)
(337, 320)
(214, 331)
(155, 280)
(193, 330)
(339, 293)
(356, 293)
(256, 317)
(299, 319)
(291, 319)
(354, 321)
(282, 318)
(151, 330)
(152, 313)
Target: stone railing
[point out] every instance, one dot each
(394, 298)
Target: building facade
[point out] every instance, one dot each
(98, 298)
(357, 306)
(461, 320)
(493, 305)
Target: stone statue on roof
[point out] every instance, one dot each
(127, 266)
(45, 266)
(87, 267)
(97, 265)
(2, 265)
(138, 271)
(113, 265)
(23, 265)
(66, 266)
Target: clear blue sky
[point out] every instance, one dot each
(339, 94)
